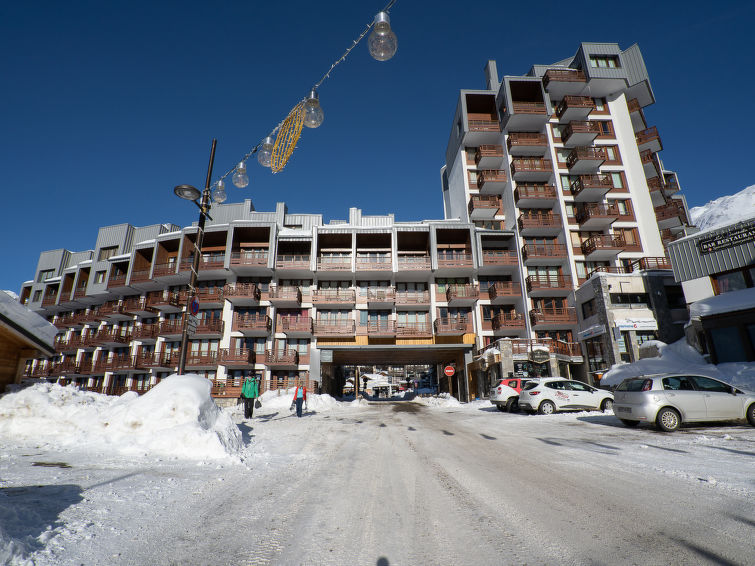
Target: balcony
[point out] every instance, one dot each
(591, 188)
(250, 259)
(540, 224)
(113, 310)
(200, 359)
(602, 247)
(136, 305)
(80, 292)
(295, 325)
(335, 297)
(544, 254)
(580, 133)
(527, 143)
(288, 262)
(499, 258)
(148, 360)
(452, 326)
(115, 363)
(419, 262)
(116, 281)
(636, 114)
(170, 327)
(333, 328)
(534, 169)
(50, 299)
(574, 108)
(338, 263)
(524, 347)
(112, 337)
(504, 291)
(66, 367)
(553, 317)
(548, 285)
(597, 216)
(483, 207)
(381, 297)
(140, 275)
(454, 260)
(505, 321)
(164, 269)
(145, 332)
(534, 196)
(413, 330)
(369, 262)
(237, 357)
(458, 295)
(210, 263)
(166, 301)
(285, 358)
(491, 181)
(585, 160)
(208, 327)
(650, 164)
(649, 140)
(489, 156)
(284, 296)
(412, 299)
(251, 324)
(242, 293)
(653, 263)
(563, 82)
(525, 115)
(381, 328)
(230, 388)
(670, 215)
(670, 181)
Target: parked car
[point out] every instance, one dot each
(551, 394)
(505, 394)
(669, 400)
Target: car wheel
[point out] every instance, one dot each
(751, 414)
(546, 408)
(512, 405)
(668, 420)
(606, 405)
(500, 407)
(628, 423)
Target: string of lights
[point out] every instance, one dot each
(382, 45)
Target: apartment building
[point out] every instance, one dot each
(564, 158)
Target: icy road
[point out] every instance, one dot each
(399, 483)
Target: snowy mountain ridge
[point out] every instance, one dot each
(725, 210)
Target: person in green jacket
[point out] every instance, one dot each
(249, 393)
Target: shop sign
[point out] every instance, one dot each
(637, 324)
(326, 356)
(595, 330)
(539, 356)
(734, 236)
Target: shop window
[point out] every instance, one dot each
(728, 282)
(589, 309)
(644, 336)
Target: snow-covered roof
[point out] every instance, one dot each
(727, 302)
(27, 323)
(121, 257)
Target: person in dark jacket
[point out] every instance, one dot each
(249, 393)
(300, 398)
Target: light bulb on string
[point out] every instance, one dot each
(218, 195)
(382, 42)
(313, 114)
(240, 178)
(265, 152)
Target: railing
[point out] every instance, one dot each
(286, 383)
(580, 127)
(531, 164)
(454, 259)
(116, 280)
(368, 263)
(209, 262)
(50, 299)
(602, 241)
(499, 257)
(284, 293)
(344, 296)
(242, 290)
(451, 325)
(591, 182)
(548, 220)
(646, 136)
(484, 202)
(525, 346)
(548, 282)
(237, 356)
(334, 263)
(333, 327)
(140, 275)
(293, 261)
(281, 358)
(413, 262)
(530, 251)
(488, 150)
(569, 102)
(413, 329)
(466, 291)
(654, 184)
(199, 359)
(526, 139)
(256, 257)
(134, 304)
(164, 269)
(553, 315)
(528, 107)
(504, 289)
(653, 263)
(483, 126)
(210, 294)
(157, 299)
(112, 335)
(669, 210)
(413, 297)
(381, 295)
(507, 320)
(145, 331)
(80, 292)
(563, 75)
(295, 324)
(381, 327)
(491, 176)
(209, 326)
(585, 154)
(633, 105)
(543, 192)
(118, 362)
(168, 327)
(146, 360)
(596, 210)
(111, 308)
(228, 388)
(249, 321)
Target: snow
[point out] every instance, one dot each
(681, 357)
(13, 295)
(733, 301)
(725, 210)
(30, 321)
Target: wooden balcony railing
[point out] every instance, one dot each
(412, 298)
(647, 135)
(504, 289)
(563, 75)
(526, 139)
(333, 328)
(50, 299)
(229, 388)
(170, 327)
(528, 107)
(545, 251)
(548, 282)
(284, 293)
(162, 299)
(580, 127)
(334, 263)
(295, 324)
(210, 295)
(452, 326)
(140, 275)
(600, 182)
(462, 291)
(602, 241)
(483, 125)
(413, 262)
(381, 295)
(237, 356)
(111, 308)
(112, 336)
(633, 105)
(547, 220)
(413, 329)
(250, 258)
(164, 269)
(134, 304)
(525, 346)
(371, 263)
(381, 328)
(145, 331)
(670, 210)
(531, 164)
(499, 257)
(242, 291)
(215, 261)
(540, 192)
(251, 322)
(568, 102)
(491, 176)
(585, 154)
(483, 202)
(80, 292)
(281, 358)
(508, 320)
(210, 326)
(194, 359)
(116, 280)
(288, 261)
(596, 210)
(454, 259)
(553, 315)
(333, 296)
(653, 263)
(488, 150)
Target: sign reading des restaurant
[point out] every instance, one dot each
(734, 236)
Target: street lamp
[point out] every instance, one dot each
(188, 192)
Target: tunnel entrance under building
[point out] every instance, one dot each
(396, 368)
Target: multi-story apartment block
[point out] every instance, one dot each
(562, 158)
(549, 178)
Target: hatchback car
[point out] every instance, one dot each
(506, 394)
(668, 400)
(548, 395)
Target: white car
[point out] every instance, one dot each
(504, 397)
(548, 395)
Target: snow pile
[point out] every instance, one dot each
(733, 301)
(725, 210)
(177, 418)
(280, 399)
(443, 400)
(681, 357)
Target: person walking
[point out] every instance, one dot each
(300, 398)
(249, 393)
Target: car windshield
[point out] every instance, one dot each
(634, 384)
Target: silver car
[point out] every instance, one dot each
(668, 400)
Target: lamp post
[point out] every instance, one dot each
(188, 192)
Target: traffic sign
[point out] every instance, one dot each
(194, 306)
(191, 324)
(449, 370)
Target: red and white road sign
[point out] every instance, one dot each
(449, 370)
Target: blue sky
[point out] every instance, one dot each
(106, 106)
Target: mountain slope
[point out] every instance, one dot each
(725, 210)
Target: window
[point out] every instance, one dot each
(558, 385)
(612, 155)
(630, 299)
(37, 296)
(624, 207)
(677, 383)
(727, 282)
(708, 384)
(644, 336)
(605, 61)
(606, 128)
(558, 130)
(600, 106)
(99, 277)
(562, 154)
(617, 178)
(45, 274)
(106, 253)
(589, 308)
